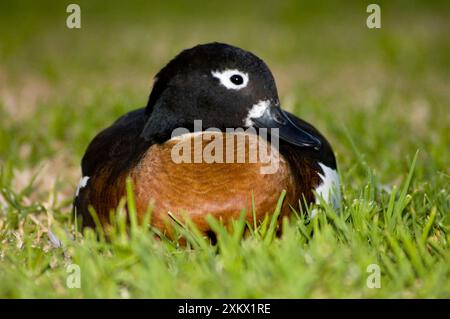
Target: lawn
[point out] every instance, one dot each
(381, 97)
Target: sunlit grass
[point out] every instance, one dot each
(379, 97)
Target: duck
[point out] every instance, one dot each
(212, 93)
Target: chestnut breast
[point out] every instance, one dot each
(211, 173)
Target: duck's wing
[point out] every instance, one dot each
(114, 142)
(322, 161)
(107, 159)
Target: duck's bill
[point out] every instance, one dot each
(279, 124)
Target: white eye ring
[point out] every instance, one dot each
(225, 78)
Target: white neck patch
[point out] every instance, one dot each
(257, 110)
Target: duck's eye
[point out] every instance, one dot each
(231, 79)
(237, 79)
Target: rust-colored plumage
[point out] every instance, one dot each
(198, 188)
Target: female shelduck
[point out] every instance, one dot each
(182, 150)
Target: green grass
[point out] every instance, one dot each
(380, 97)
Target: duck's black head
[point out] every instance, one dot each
(225, 87)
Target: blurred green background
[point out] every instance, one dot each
(378, 95)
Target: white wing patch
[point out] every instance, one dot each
(83, 182)
(256, 111)
(329, 189)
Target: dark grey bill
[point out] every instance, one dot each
(275, 117)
